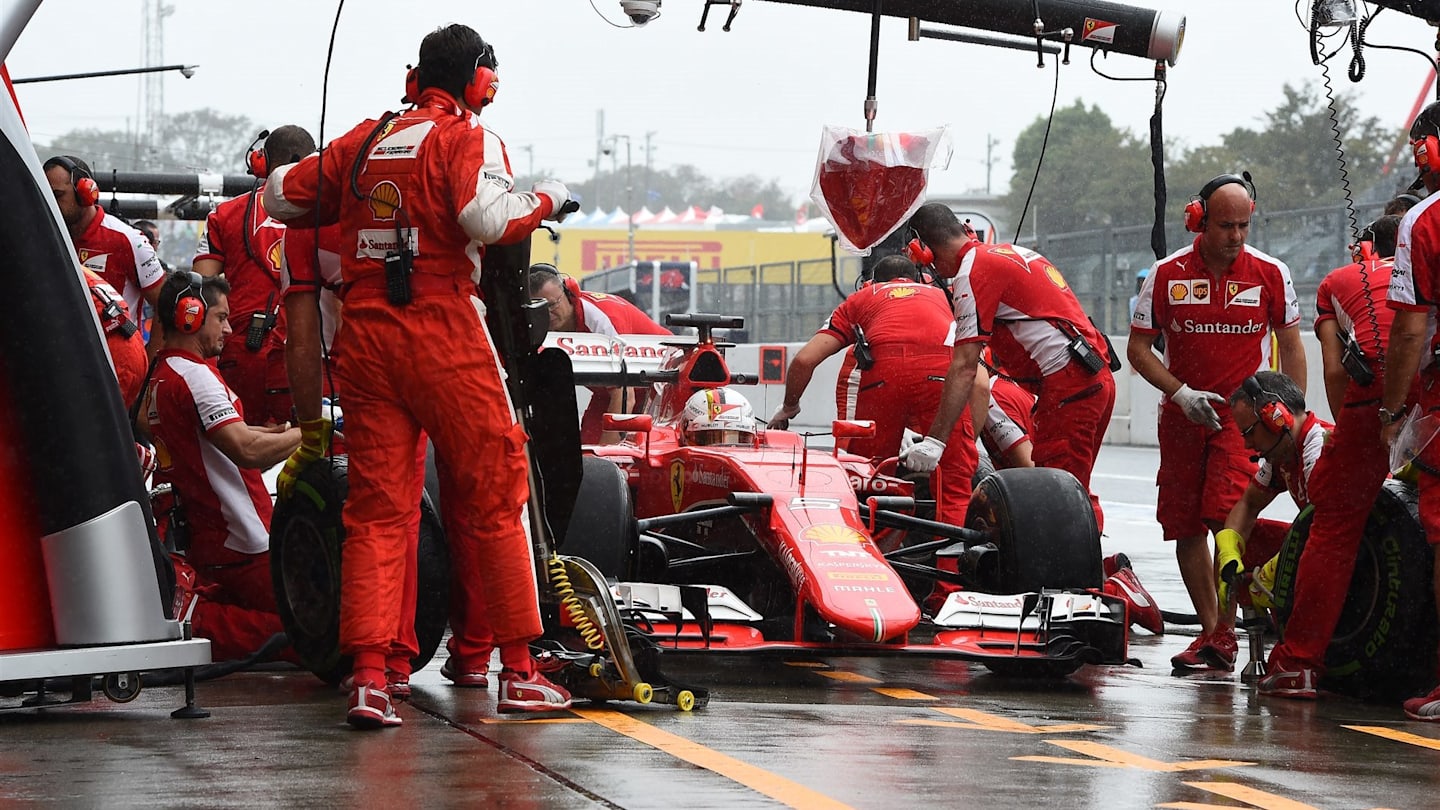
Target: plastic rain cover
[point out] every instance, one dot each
(868, 184)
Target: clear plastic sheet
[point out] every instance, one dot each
(868, 184)
(1415, 435)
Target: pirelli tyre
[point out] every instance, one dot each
(306, 537)
(1043, 527)
(1384, 643)
(602, 526)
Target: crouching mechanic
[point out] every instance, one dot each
(574, 310)
(1269, 411)
(422, 192)
(908, 330)
(213, 459)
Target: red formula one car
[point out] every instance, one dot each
(719, 535)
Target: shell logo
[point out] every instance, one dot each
(900, 292)
(1055, 277)
(162, 454)
(273, 256)
(1178, 291)
(189, 316)
(384, 200)
(832, 533)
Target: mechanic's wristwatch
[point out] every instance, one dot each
(1389, 417)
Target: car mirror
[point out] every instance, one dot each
(853, 428)
(627, 422)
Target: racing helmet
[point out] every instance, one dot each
(717, 416)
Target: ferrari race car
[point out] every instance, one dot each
(719, 535)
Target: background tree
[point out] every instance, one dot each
(679, 188)
(1291, 155)
(198, 140)
(1089, 177)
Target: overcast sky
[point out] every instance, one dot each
(751, 101)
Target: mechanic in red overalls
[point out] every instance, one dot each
(1010, 422)
(107, 246)
(1288, 440)
(122, 337)
(1216, 301)
(244, 243)
(1350, 310)
(1017, 299)
(907, 327)
(420, 193)
(575, 310)
(1414, 343)
(204, 448)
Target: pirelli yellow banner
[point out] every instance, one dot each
(584, 251)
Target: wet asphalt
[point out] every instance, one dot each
(779, 731)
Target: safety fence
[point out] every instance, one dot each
(788, 301)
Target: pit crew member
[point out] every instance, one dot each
(106, 245)
(421, 193)
(1269, 411)
(1414, 295)
(572, 309)
(204, 448)
(122, 336)
(907, 328)
(1353, 325)
(1216, 302)
(1017, 299)
(244, 243)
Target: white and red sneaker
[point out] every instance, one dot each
(370, 708)
(530, 693)
(1121, 582)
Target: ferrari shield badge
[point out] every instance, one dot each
(677, 483)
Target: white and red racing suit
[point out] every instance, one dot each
(1018, 301)
(227, 508)
(248, 244)
(122, 337)
(435, 178)
(1217, 333)
(122, 256)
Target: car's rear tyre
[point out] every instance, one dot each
(1384, 642)
(602, 526)
(1043, 525)
(306, 537)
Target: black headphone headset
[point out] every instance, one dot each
(1196, 209)
(87, 191)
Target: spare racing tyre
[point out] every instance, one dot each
(1041, 521)
(306, 536)
(1384, 642)
(602, 526)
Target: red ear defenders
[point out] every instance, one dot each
(1268, 407)
(1427, 153)
(255, 161)
(919, 252)
(87, 191)
(1195, 209)
(190, 307)
(479, 91)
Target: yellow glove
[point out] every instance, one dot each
(1262, 585)
(314, 445)
(1229, 549)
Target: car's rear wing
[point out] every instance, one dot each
(629, 360)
